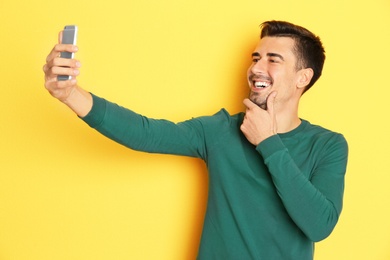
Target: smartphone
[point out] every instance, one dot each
(69, 36)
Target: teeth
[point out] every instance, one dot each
(259, 84)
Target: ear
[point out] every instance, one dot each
(304, 77)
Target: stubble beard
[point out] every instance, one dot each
(258, 100)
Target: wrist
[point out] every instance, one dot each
(264, 137)
(79, 100)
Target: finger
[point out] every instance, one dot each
(58, 48)
(50, 68)
(65, 47)
(60, 36)
(60, 89)
(55, 71)
(271, 102)
(249, 104)
(62, 62)
(53, 84)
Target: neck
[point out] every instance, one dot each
(287, 125)
(287, 119)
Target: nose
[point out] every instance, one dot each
(258, 67)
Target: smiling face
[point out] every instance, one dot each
(274, 68)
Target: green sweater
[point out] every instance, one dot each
(267, 202)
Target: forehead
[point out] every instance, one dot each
(283, 46)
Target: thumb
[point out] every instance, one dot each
(270, 108)
(271, 102)
(60, 37)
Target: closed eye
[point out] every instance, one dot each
(255, 57)
(274, 57)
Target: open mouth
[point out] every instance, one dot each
(261, 84)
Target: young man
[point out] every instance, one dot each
(276, 182)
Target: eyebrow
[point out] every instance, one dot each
(270, 54)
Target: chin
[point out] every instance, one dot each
(258, 100)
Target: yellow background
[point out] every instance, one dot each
(68, 193)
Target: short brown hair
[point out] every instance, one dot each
(308, 47)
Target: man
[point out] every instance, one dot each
(276, 182)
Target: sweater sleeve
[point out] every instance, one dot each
(315, 203)
(145, 134)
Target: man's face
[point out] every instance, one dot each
(273, 68)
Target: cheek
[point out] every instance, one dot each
(283, 80)
(248, 74)
(249, 71)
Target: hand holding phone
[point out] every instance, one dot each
(69, 36)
